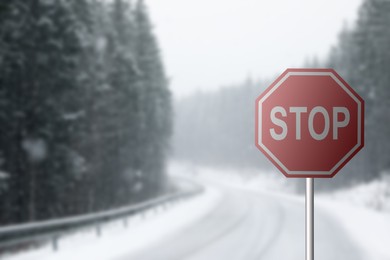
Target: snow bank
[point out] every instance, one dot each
(374, 195)
(370, 229)
(364, 211)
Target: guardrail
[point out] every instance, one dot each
(54, 229)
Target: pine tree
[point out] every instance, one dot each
(38, 82)
(122, 99)
(154, 103)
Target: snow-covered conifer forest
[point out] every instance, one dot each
(85, 110)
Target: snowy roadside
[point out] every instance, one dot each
(117, 241)
(368, 228)
(373, 195)
(364, 211)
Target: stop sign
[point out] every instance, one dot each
(309, 123)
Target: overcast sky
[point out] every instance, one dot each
(211, 43)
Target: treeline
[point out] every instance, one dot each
(218, 128)
(222, 123)
(85, 111)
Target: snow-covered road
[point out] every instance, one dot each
(231, 221)
(248, 225)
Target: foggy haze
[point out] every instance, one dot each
(208, 44)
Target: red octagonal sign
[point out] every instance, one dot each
(309, 123)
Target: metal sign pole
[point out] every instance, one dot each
(309, 219)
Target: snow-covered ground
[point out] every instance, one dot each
(370, 229)
(374, 195)
(362, 212)
(117, 240)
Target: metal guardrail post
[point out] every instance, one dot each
(98, 230)
(55, 243)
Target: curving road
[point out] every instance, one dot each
(247, 225)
